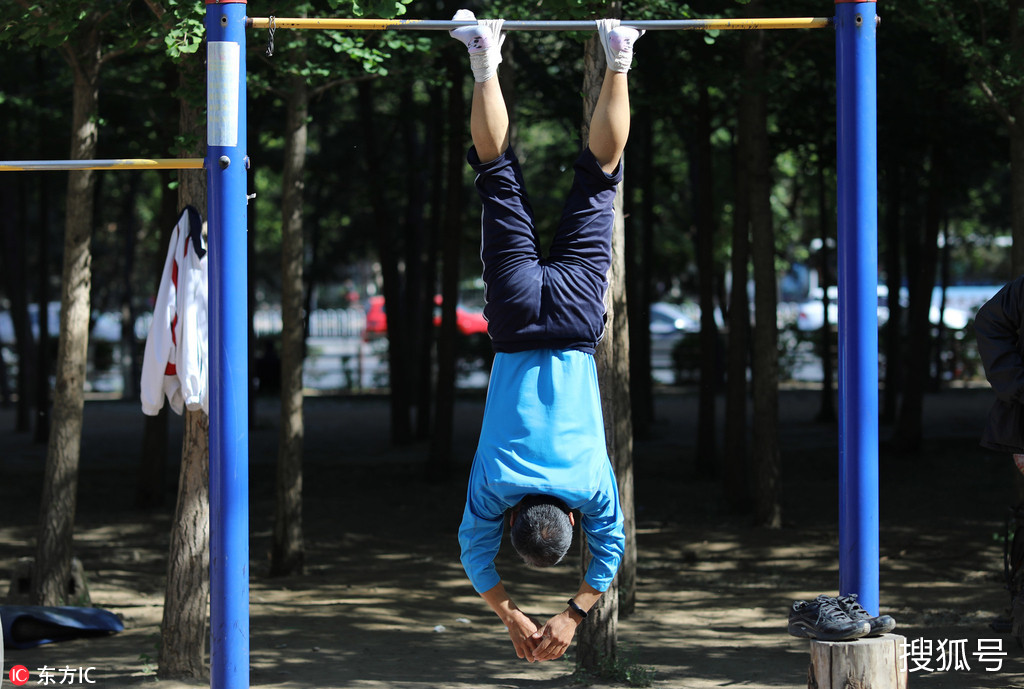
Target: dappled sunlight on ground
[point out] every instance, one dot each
(384, 602)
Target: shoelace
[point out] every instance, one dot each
(856, 610)
(831, 609)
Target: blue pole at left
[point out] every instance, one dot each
(226, 163)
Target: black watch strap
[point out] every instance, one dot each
(578, 610)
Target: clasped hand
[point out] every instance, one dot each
(544, 643)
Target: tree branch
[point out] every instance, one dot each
(320, 90)
(976, 69)
(114, 54)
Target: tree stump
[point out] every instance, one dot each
(874, 663)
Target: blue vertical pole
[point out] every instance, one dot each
(226, 164)
(856, 102)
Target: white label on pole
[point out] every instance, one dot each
(222, 63)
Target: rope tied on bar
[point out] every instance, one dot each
(270, 37)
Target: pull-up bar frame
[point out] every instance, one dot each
(855, 25)
(226, 162)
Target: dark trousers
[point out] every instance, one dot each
(537, 302)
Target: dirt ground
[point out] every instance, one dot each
(385, 602)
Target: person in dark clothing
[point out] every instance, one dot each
(542, 453)
(999, 326)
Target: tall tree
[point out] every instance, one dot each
(307, 68)
(287, 551)
(13, 260)
(440, 458)
(398, 318)
(922, 261)
(735, 475)
(639, 295)
(703, 183)
(598, 638)
(754, 122)
(183, 627)
(77, 30)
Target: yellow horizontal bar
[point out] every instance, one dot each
(111, 164)
(517, 25)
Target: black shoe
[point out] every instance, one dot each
(879, 625)
(822, 618)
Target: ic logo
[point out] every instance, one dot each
(18, 675)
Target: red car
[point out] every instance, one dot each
(468, 321)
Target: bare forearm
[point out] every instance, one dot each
(500, 602)
(519, 625)
(586, 597)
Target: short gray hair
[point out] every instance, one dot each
(542, 532)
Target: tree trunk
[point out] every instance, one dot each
(43, 358)
(60, 481)
(435, 172)
(398, 342)
(598, 638)
(1017, 182)
(288, 552)
(183, 628)
(922, 261)
(130, 369)
(420, 279)
(14, 261)
(639, 253)
(893, 340)
(703, 187)
(827, 406)
(15, 197)
(940, 328)
(735, 472)
(439, 462)
(767, 497)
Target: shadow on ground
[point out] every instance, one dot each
(384, 601)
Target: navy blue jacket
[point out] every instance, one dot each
(999, 327)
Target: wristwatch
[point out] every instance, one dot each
(578, 610)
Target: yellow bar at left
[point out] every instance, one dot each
(110, 164)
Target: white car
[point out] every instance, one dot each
(809, 315)
(668, 325)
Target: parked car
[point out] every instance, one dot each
(669, 325)
(376, 319)
(810, 315)
(468, 321)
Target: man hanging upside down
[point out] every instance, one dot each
(542, 453)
